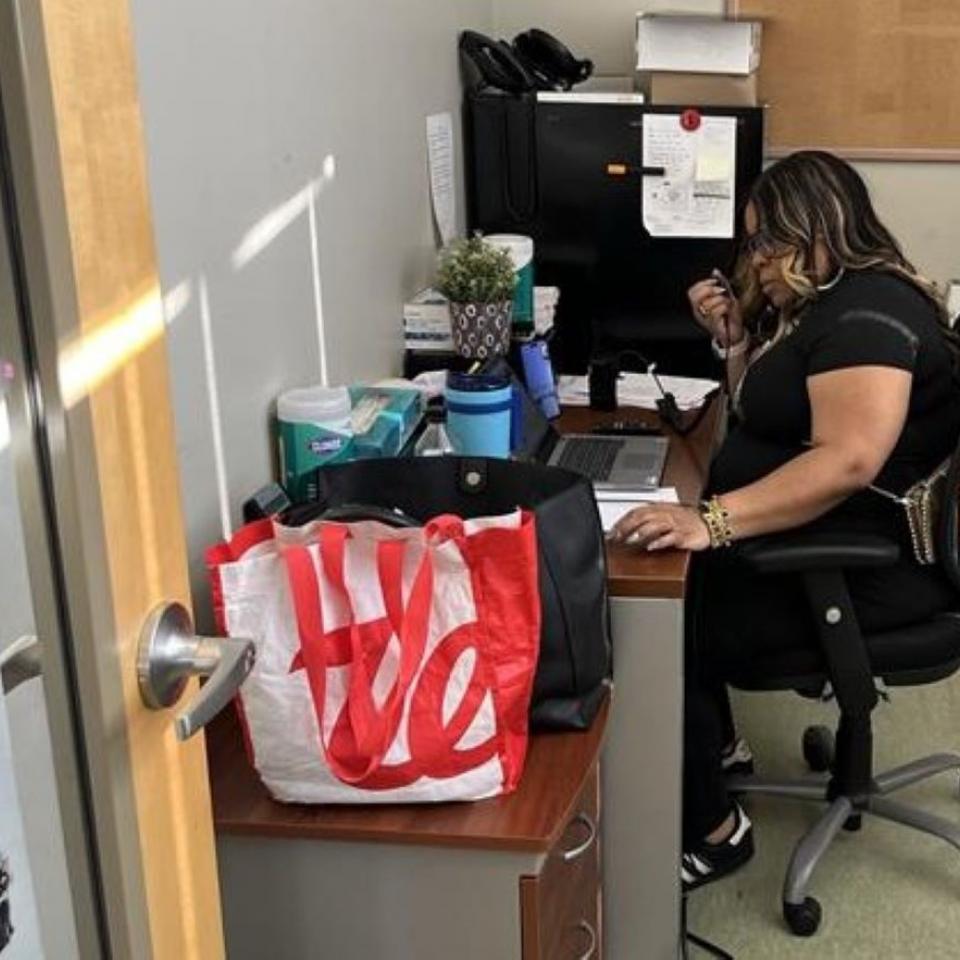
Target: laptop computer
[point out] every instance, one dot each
(614, 464)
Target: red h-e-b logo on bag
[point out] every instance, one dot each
(453, 719)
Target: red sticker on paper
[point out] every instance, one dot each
(690, 120)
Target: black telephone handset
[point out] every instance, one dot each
(493, 63)
(549, 61)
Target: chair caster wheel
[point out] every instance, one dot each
(818, 748)
(803, 919)
(853, 823)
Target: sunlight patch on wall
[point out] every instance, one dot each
(176, 300)
(269, 227)
(213, 401)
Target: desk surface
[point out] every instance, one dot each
(531, 819)
(634, 573)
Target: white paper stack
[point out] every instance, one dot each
(639, 390)
(613, 506)
(426, 322)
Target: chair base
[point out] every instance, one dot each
(814, 843)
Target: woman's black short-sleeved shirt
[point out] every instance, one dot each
(868, 317)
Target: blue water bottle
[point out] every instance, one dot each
(538, 374)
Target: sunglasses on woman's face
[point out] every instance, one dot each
(763, 244)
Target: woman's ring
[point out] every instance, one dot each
(703, 311)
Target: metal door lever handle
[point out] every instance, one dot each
(170, 653)
(19, 662)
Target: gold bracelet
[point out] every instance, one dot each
(717, 520)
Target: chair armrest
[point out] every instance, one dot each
(801, 552)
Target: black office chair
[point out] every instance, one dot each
(850, 660)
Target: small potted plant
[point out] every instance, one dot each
(478, 280)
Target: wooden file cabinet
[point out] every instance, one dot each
(560, 912)
(513, 878)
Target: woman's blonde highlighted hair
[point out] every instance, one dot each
(811, 196)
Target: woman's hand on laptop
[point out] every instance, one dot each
(659, 526)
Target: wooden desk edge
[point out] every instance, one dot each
(663, 575)
(651, 588)
(234, 782)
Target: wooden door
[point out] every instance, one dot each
(94, 346)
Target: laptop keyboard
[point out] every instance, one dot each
(592, 458)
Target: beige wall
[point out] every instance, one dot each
(920, 202)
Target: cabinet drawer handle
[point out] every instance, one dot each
(592, 934)
(570, 855)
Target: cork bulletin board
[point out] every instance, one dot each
(867, 79)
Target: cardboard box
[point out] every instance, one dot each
(697, 44)
(699, 89)
(608, 84)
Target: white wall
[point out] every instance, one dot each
(919, 201)
(242, 102)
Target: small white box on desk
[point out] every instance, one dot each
(426, 322)
(427, 310)
(697, 44)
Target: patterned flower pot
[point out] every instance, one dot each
(481, 330)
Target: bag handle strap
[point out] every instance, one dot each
(372, 729)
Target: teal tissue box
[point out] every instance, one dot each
(384, 418)
(381, 440)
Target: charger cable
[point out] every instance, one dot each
(667, 407)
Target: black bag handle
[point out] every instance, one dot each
(353, 512)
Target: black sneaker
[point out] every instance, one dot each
(711, 861)
(737, 760)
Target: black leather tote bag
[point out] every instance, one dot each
(575, 654)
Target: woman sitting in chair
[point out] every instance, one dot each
(842, 371)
